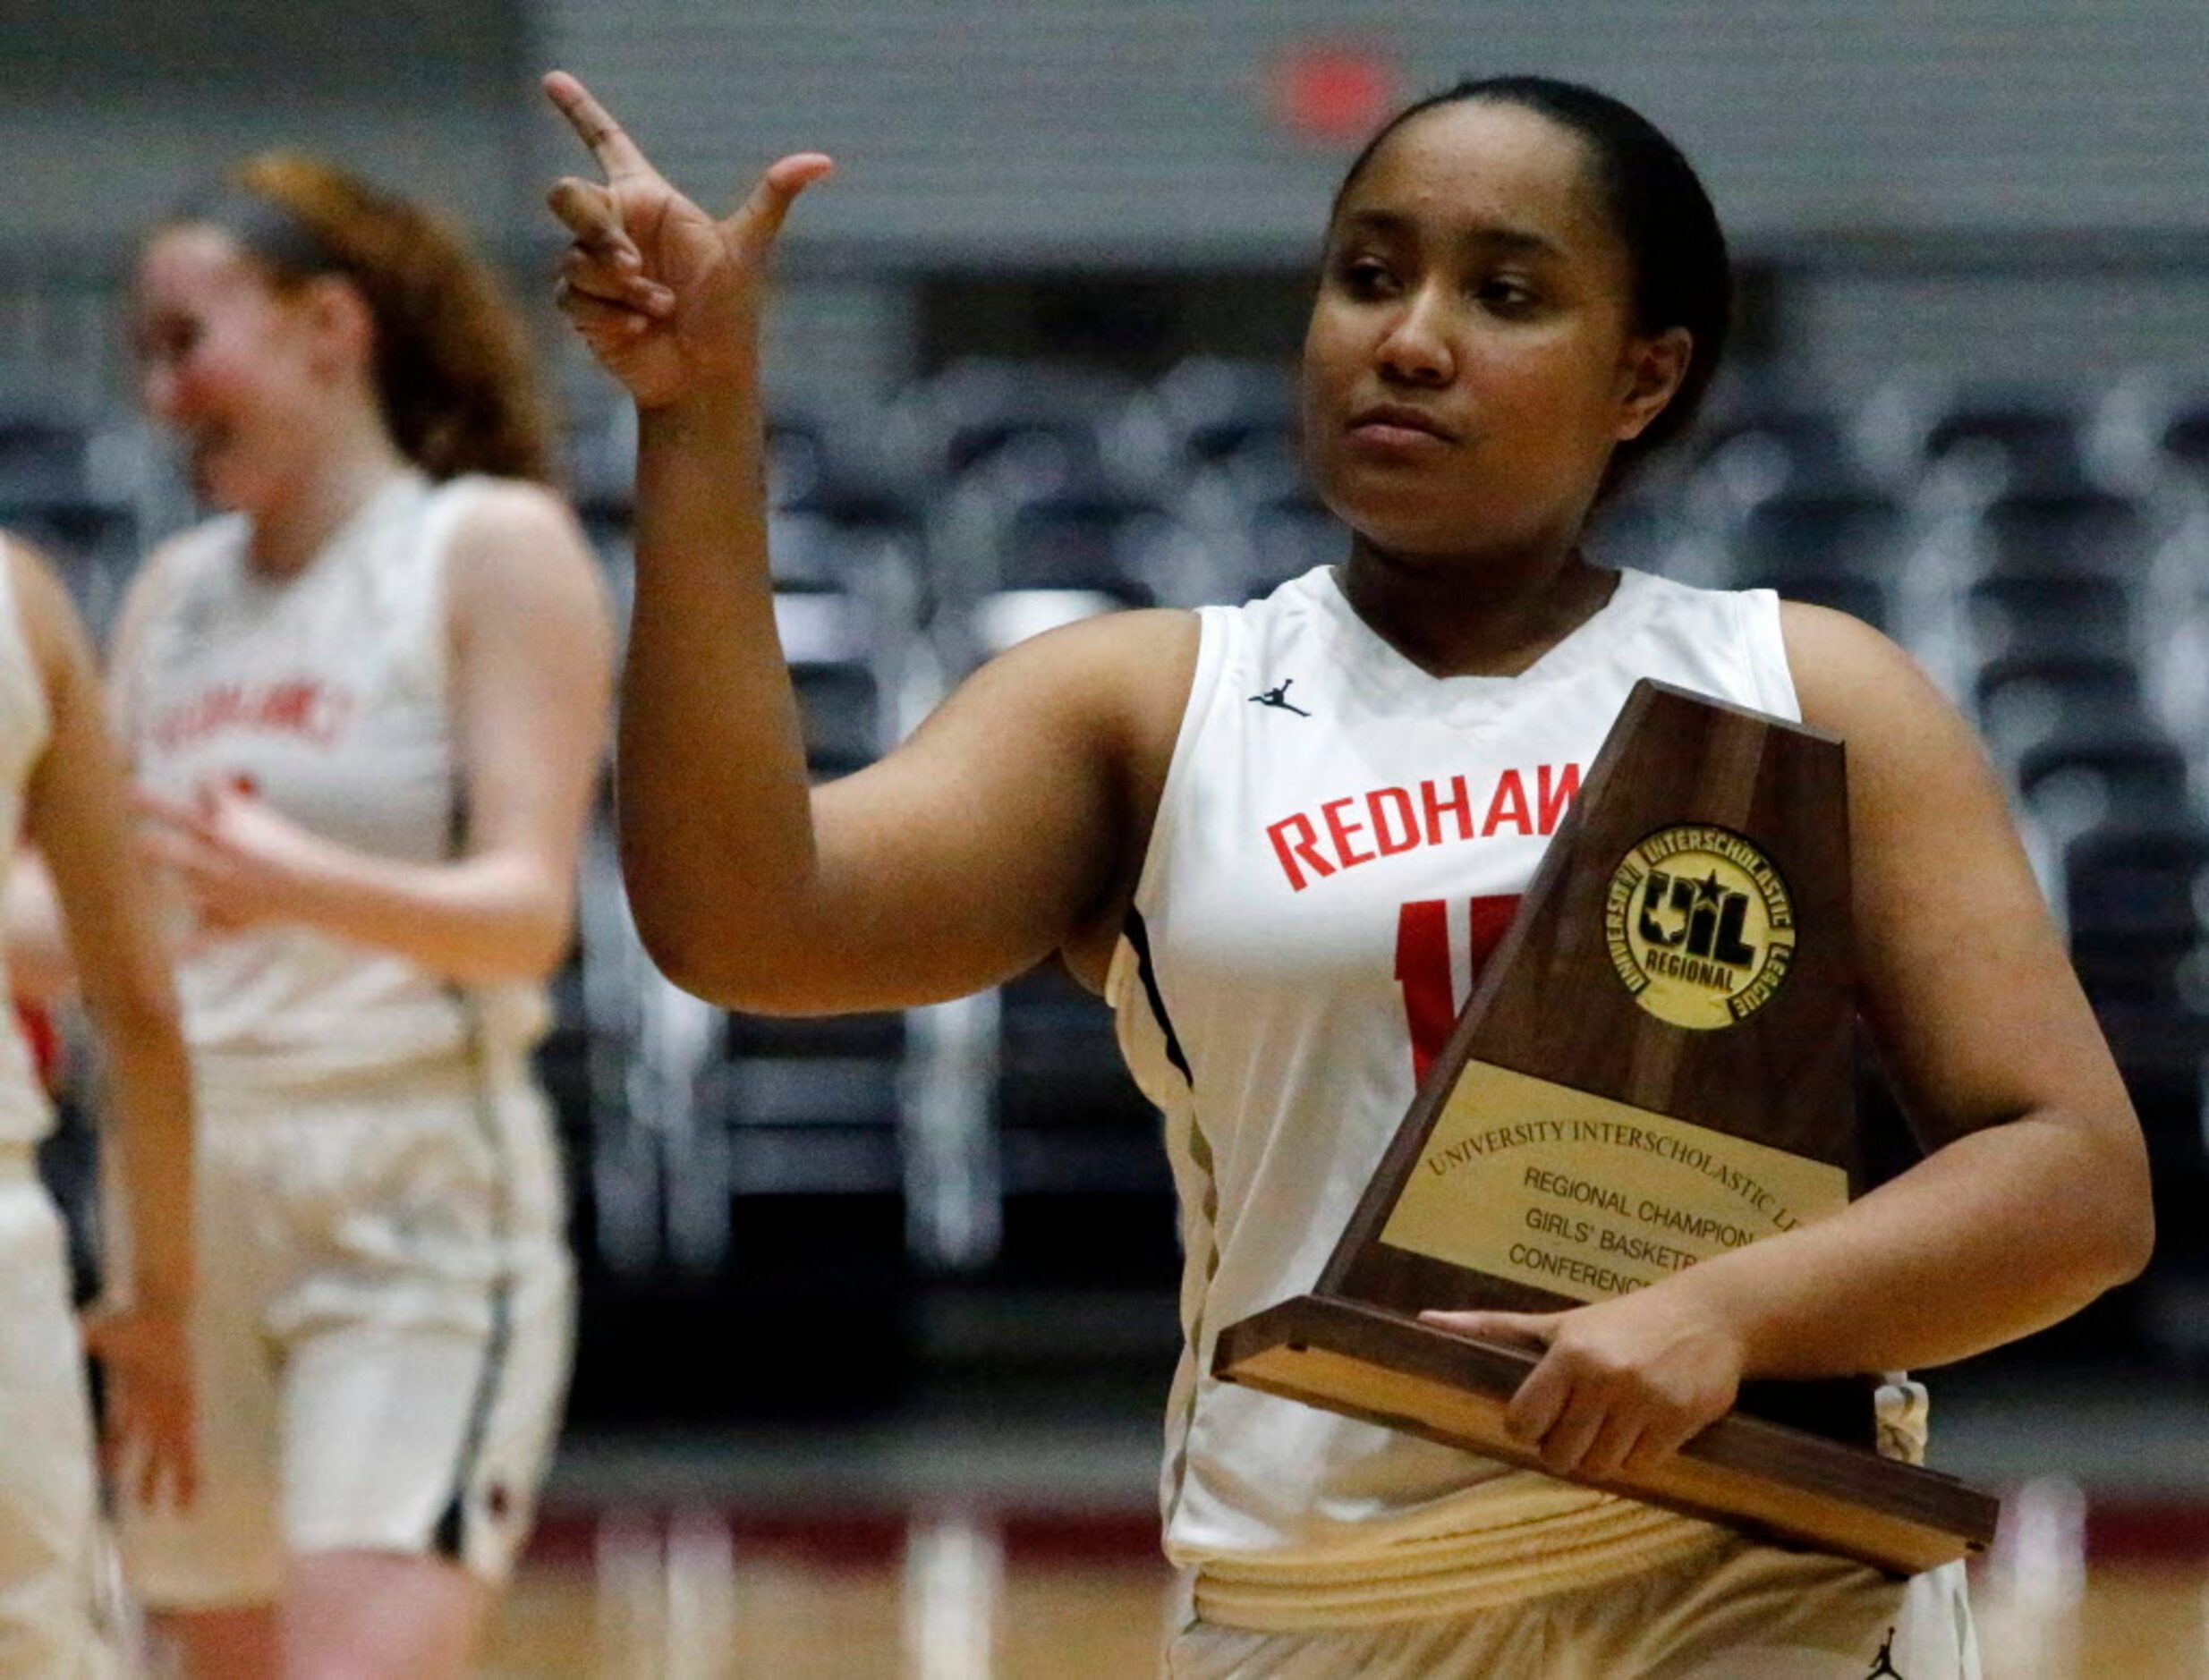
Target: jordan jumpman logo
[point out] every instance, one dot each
(1278, 698)
(1883, 1665)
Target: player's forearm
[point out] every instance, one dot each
(716, 835)
(149, 1085)
(2002, 1232)
(496, 917)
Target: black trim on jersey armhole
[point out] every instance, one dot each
(1139, 937)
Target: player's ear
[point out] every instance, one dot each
(340, 326)
(1650, 374)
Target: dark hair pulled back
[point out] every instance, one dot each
(1675, 249)
(452, 368)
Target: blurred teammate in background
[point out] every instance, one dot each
(1524, 286)
(366, 706)
(62, 787)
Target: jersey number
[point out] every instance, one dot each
(1430, 1000)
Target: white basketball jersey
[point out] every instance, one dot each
(326, 693)
(1341, 840)
(25, 727)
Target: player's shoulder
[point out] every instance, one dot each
(513, 539)
(1105, 651)
(34, 585)
(498, 514)
(47, 621)
(1137, 638)
(1848, 675)
(1127, 673)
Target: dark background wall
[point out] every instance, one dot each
(1983, 188)
(1137, 129)
(112, 110)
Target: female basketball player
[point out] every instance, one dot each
(1523, 284)
(366, 707)
(60, 785)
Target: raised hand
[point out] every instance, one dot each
(666, 297)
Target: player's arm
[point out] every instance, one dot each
(2034, 1198)
(966, 854)
(77, 811)
(41, 966)
(973, 850)
(531, 657)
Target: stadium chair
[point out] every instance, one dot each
(699, 1108)
(1087, 541)
(813, 1103)
(2027, 697)
(1080, 1146)
(2083, 778)
(2131, 891)
(2185, 439)
(1263, 467)
(1283, 539)
(601, 472)
(1834, 548)
(1214, 408)
(1820, 532)
(1633, 529)
(69, 485)
(826, 460)
(1757, 450)
(49, 453)
(2137, 898)
(2063, 533)
(1032, 567)
(2013, 442)
(2026, 616)
(1028, 429)
(811, 552)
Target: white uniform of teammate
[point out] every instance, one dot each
(387, 1304)
(50, 1597)
(1341, 838)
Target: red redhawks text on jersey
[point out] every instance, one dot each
(1397, 820)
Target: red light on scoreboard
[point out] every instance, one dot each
(1333, 92)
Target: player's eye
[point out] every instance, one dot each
(1366, 276)
(1506, 294)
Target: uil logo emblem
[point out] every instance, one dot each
(1699, 926)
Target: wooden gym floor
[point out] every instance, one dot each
(987, 1547)
(968, 1596)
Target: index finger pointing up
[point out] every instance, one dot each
(616, 153)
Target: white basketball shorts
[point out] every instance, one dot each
(383, 1332)
(1740, 1611)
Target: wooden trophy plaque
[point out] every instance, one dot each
(1657, 1065)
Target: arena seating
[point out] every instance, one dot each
(72, 485)
(2044, 554)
